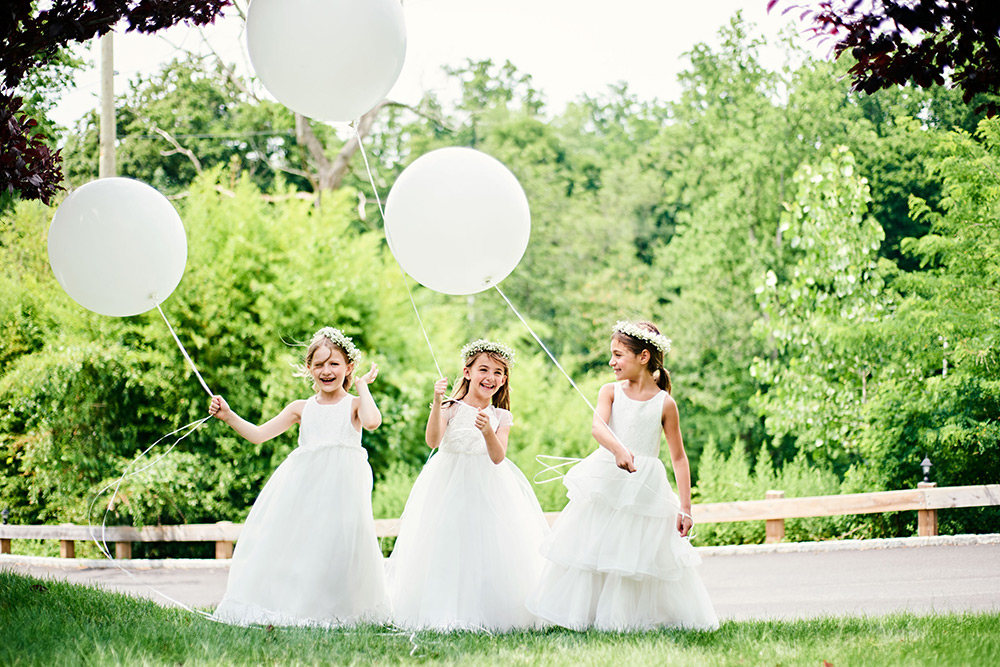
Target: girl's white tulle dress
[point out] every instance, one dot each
(307, 554)
(467, 555)
(615, 558)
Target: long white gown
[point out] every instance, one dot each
(467, 555)
(615, 558)
(307, 554)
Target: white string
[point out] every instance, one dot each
(188, 429)
(385, 228)
(183, 351)
(554, 469)
(102, 544)
(558, 365)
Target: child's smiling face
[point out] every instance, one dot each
(624, 362)
(485, 375)
(329, 368)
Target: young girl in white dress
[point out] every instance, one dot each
(467, 555)
(307, 554)
(617, 557)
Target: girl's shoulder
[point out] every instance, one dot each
(505, 417)
(669, 404)
(296, 407)
(450, 406)
(608, 390)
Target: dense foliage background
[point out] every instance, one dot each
(826, 263)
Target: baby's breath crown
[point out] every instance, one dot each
(659, 341)
(492, 347)
(337, 337)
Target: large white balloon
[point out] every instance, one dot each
(327, 59)
(457, 221)
(117, 246)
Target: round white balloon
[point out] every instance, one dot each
(117, 246)
(327, 59)
(457, 221)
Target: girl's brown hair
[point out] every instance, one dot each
(501, 398)
(637, 345)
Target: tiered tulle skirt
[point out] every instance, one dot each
(307, 554)
(615, 558)
(467, 555)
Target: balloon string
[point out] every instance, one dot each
(555, 473)
(102, 543)
(183, 351)
(553, 470)
(385, 228)
(558, 365)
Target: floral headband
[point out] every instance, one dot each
(489, 346)
(659, 341)
(337, 337)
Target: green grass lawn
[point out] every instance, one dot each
(45, 622)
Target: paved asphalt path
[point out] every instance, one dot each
(787, 581)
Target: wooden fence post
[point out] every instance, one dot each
(123, 550)
(927, 525)
(223, 548)
(774, 529)
(4, 546)
(67, 549)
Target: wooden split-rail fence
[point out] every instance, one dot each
(926, 500)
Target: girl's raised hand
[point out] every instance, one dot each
(370, 376)
(483, 422)
(440, 387)
(218, 408)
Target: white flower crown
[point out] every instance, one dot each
(659, 341)
(492, 347)
(337, 337)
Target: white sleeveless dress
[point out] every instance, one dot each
(307, 554)
(615, 558)
(467, 555)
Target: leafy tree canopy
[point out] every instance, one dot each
(30, 38)
(924, 42)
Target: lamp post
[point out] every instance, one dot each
(925, 465)
(5, 541)
(926, 519)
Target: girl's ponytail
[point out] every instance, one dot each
(662, 377)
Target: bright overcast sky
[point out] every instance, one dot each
(570, 47)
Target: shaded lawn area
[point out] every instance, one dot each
(46, 622)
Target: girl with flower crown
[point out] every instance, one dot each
(307, 554)
(467, 555)
(617, 557)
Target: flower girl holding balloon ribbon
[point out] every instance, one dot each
(467, 555)
(307, 554)
(617, 557)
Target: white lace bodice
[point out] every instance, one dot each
(637, 423)
(462, 437)
(328, 425)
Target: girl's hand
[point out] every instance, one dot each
(483, 422)
(218, 408)
(368, 377)
(684, 523)
(440, 387)
(625, 460)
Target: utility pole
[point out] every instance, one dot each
(106, 164)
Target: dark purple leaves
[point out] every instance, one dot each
(28, 38)
(915, 41)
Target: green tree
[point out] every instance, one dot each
(190, 116)
(820, 298)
